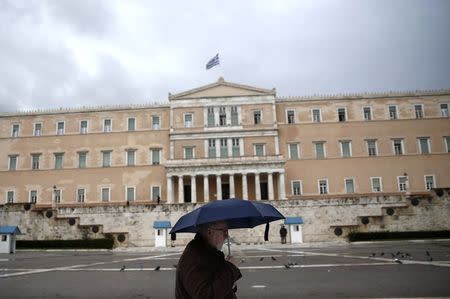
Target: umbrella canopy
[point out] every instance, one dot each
(237, 213)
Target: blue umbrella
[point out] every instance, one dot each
(237, 213)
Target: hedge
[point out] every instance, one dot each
(106, 243)
(373, 236)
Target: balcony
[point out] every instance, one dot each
(230, 161)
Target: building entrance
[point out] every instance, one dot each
(187, 193)
(264, 191)
(225, 191)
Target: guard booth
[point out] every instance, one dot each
(295, 228)
(161, 227)
(8, 238)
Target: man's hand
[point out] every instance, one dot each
(231, 259)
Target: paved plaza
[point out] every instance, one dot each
(407, 269)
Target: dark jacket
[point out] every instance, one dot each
(203, 272)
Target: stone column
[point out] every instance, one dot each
(205, 188)
(219, 187)
(232, 191)
(257, 187)
(193, 189)
(281, 188)
(169, 190)
(244, 187)
(270, 185)
(180, 189)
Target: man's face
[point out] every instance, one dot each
(217, 233)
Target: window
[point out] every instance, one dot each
(223, 148)
(188, 120)
(349, 186)
(296, 187)
(156, 192)
(320, 150)
(367, 113)
(210, 117)
(83, 127)
(33, 196)
(259, 150)
(59, 160)
(393, 112)
(15, 130)
(316, 115)
(130, 193)
(105, 194)
(10, 196)
(342, 114)
(82, 159)
(156, 125)
(346, 148)
(398, 146)
(323, 186)
(429, 182)
(131, 124)
(57, 195)
(376, 184)
(12, 162)
(35, 161)
(236, 150)
(447, 144)
(211, 148)
(106, 159)
(60, 128)
(189, 152)
(293, 151)
(234, 116)
(418, 110)
(37, 129)
(257, 117)
(107, 125)
(290, 116)
(156, 156)
(444, 110)
(424, 145)
(81, 194)
(402, 183)
(222, 116)
(372, 147)
(131, 157)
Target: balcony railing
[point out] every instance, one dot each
(224, 161)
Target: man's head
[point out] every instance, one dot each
(215, 233)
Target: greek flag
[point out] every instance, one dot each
(213, 62)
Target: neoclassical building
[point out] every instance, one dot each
(226, 140)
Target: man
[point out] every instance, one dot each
(283, 234)
(203, 271)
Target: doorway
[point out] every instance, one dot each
(187, 193)
(264, 191)
(225, 191)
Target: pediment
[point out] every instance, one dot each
(221, 88)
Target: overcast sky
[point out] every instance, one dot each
(63, 53)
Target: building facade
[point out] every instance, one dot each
(227, 140)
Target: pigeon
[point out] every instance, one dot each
(242, 261)
(428, 253)
(431, 259)
(157, 268)
(373, 254)
(175, 266)
(122, 269)
(261, 258)
(287, 266)
(398, 253)
(273, 259)
(393, 255)
(398, 261)
(381, 254)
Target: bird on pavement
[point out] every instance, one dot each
(157, 268)
(398, 261)
(287, 266)
(122, 269)
(428, 253)
(261, 258)
(381, 254)
(373, 254)
(242, 261)
(273, 258)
